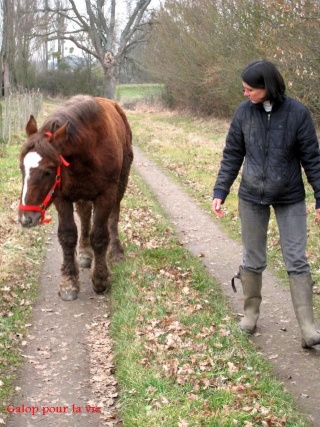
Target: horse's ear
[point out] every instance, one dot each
(61, 133)
(31, 127)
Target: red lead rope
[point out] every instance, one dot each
(42, 208)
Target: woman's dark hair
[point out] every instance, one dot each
(265, 75)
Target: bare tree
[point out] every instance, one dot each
(25, 19)
(20, 19)
(97, 31)
(8, 45)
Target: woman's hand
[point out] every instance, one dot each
(216, 208)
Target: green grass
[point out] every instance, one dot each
(180, 357)
(134, 92)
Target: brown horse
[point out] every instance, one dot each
(82, 154)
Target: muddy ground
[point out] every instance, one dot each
(68, 369)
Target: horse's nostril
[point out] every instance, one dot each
(26, 221)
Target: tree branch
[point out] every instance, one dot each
(133, 22)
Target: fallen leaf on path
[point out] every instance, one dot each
(274, 356)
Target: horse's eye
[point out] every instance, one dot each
(47, 173)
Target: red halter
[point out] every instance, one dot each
(42, 208)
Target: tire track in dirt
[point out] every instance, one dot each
(66, 379)
(278, 335)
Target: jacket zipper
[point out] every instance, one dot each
(266, 152)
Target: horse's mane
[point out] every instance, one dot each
(78, 111)
(41, 146)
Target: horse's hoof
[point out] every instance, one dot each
(69, 295)
(100, 286)
(100, 289)
(85, 262)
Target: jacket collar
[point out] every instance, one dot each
(275, 106)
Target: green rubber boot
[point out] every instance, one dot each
(301, 294)
(251, 285)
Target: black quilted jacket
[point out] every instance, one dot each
(272, 148)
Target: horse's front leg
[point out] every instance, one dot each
(99, 239)
(68, 235)
(84, 210)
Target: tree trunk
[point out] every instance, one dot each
(7, 51)
(6, 77)
(110, 68)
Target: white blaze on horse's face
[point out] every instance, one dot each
(31, 161)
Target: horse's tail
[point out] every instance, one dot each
(126, 123)
(127, 153)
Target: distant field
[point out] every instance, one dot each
(133, 92)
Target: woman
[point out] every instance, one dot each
(273, 136)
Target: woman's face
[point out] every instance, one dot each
(255, 95)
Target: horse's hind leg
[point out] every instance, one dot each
(115, 248)
(84, 210)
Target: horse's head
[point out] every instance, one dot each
(40, 164)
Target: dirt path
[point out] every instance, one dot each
(68, 356)
(66, 379)
(277, 335)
